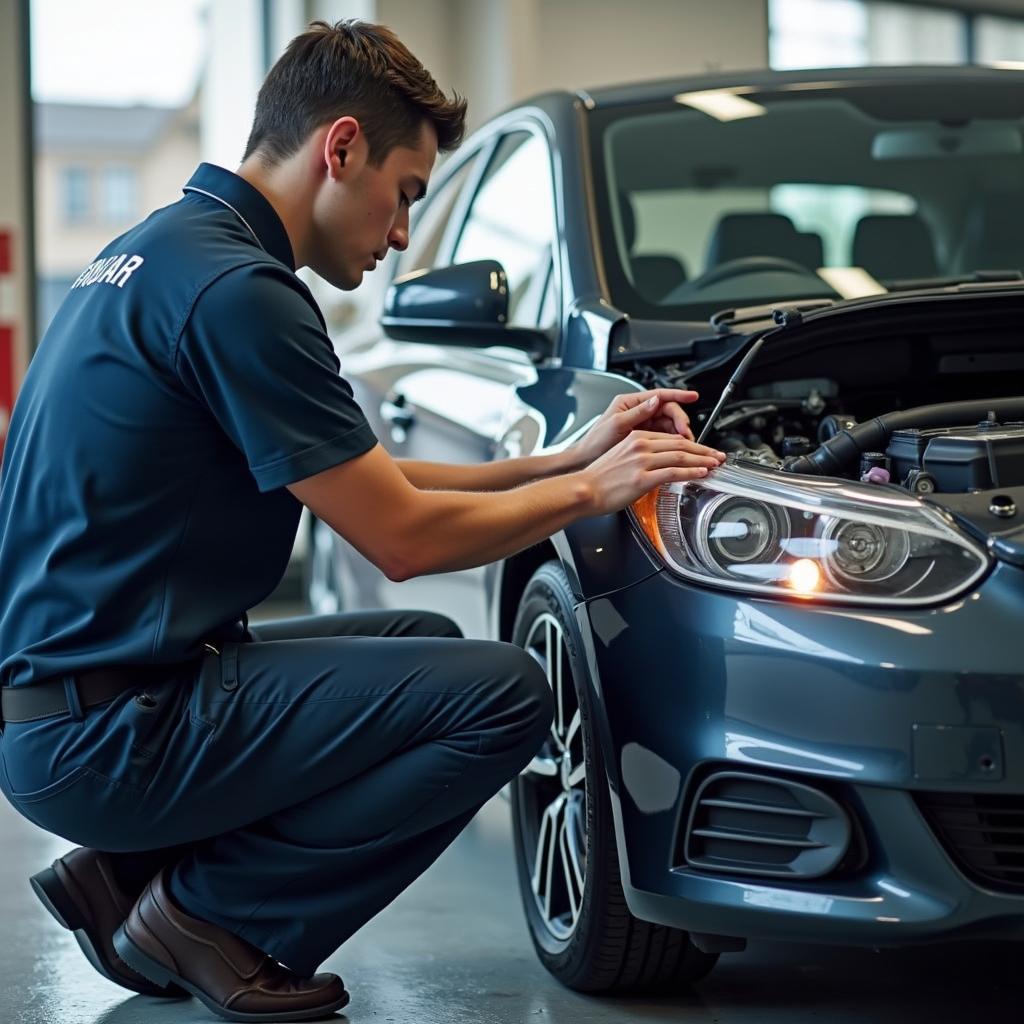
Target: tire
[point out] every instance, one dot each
(583, 934)
(322, 583)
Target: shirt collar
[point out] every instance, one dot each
(251, 207)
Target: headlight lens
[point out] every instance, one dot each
(734, 530)
(751, 529)
(858, 552)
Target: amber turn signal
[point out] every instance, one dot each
(645, 509)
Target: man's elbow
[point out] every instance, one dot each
(401, 566)
(396, 573)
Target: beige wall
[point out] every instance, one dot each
(620, 42)
(497, 52)
(15, 183)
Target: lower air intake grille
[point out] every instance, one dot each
(750, 824)
(983, 833)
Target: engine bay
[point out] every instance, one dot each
(928, 413)
(923, 393)
(776, 430)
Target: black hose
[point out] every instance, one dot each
(841, 453)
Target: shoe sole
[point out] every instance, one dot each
(54, 897)
(160, 975)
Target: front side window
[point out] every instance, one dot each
(431, 224)
(512, 220)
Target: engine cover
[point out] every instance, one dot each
(961, 459)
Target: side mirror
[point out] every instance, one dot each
(462, 305)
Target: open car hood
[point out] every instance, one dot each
(977, 306)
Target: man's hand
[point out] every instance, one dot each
(658, 410)
(642, 461)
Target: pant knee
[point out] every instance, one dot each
(544, 701)
(436, 624)
(441, 626)
(531, 697)
(508, 704)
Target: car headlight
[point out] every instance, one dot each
(748, 528)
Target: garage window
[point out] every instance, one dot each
(843, 33)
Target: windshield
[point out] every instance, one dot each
(732, 198)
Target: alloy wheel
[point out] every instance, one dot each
(553, 790)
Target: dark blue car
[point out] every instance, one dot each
(790, 696)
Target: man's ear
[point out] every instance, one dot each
(345, 148)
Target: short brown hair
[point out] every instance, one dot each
(351, 67)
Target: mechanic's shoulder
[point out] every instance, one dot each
(260, 284)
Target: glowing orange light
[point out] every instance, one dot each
(804, 576)
(646, 510)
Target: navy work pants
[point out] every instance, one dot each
(298, 782)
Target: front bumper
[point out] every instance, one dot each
(848, 699)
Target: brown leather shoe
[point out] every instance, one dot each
(233, 978)
(80, 891)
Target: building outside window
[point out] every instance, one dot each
(905, 34)
(76, 195)
(998, 40)
(841, 33)
(119, 198)
(817, 33)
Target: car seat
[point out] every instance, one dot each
(737, 235)
(894, 247)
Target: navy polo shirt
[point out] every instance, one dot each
(185, 380)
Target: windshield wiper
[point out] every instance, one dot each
(726, 320)
(978, 277)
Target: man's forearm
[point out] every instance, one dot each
(467, 530)
(502, 475)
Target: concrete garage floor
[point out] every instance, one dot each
(453, 949)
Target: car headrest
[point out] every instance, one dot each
(812, 250)
(762, 234)
(655, 275)
(891, 247)
(993, 236)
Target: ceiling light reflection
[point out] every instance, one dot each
(721, 104)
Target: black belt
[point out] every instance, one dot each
(97, 686)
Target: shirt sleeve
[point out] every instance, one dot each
(255, 352)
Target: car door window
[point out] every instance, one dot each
(546, 313)
(512, 220)
(429, 228)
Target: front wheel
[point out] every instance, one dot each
(566, 857)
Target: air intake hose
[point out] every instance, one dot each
(841, 453)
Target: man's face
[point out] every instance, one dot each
(364, 210)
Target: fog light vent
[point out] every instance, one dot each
(757, 825)
(984, 832)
